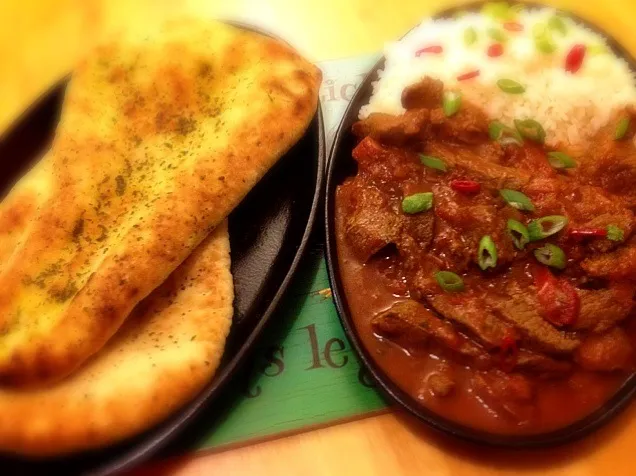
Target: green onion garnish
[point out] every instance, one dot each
(546, 226)
(451, 103)
(433, 162)
(561, 160)
(497, 35)
(418, 202)
(614, 233)
(551, 255)
(497, 10)
(470, 36)
(621, 128)
(530, 129)
(500, 132)
(543, 39)
(597, 49)
(449, 281)
(511, 87)
(519, 233)
(556, 23)
(517, 199)
(487, 257)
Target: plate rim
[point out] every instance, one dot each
(571, 432)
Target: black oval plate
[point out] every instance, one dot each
(341, 166)
(269, 232)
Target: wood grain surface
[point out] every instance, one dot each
(41, 40)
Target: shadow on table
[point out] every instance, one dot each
(530, 460)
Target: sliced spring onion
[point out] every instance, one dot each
(449, 281)
(433, 162)
(487, 254)
(561, 160)
(543, 39)
(497, 35)
(519, 233)
(510, 86)
(615, 233)
(546, 226)
(551, 255)
(470, 36)
(497, 10)
(500, 132)
(556, 23)
(597, 49)
(621, 128)
(418, 202)
(530, 129)
(451, 103)
(517, 199)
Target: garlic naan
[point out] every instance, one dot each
(158, 141)
(166, 351)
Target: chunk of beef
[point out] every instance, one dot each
(540, 363)
(409, 323)
(489, 174)
(473, 218)
(440, 382)
(520, 307)
(470, 313)
(604, 308)
(622, 218)
(427, 93)
(605, 352)
(611, 164)
(529, 157)
(369, 222)
(469, 125)
(509, 395)
(394, 130)
(618, 264)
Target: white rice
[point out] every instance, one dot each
(571, 107)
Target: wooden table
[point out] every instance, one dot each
(40, 40)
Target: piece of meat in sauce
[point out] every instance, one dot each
(426, 93)
(618, 264)
(611, 163)
(605, 352)
(510, 396)
(529, 361)
(469, 125)
(409, 323)
(602, 309)
(440, 382)
(469, 312)
(520, 307)
(411, 126)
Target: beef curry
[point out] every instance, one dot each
(489, 275)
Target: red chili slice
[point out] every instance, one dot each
(581, 233)
(433, 49)
(495, 50)
(465, 186)
(560, 303)
(469, 75)
(513, 26)
(574, 58)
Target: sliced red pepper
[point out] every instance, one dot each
(495, 50)
(508, 350)
(465, 186)
(433, 49)
(574, 58)
(581, 233)
(513, 26)
(560, 303)
(469, 75)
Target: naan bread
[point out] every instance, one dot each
(163, 355)
(158, 141)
